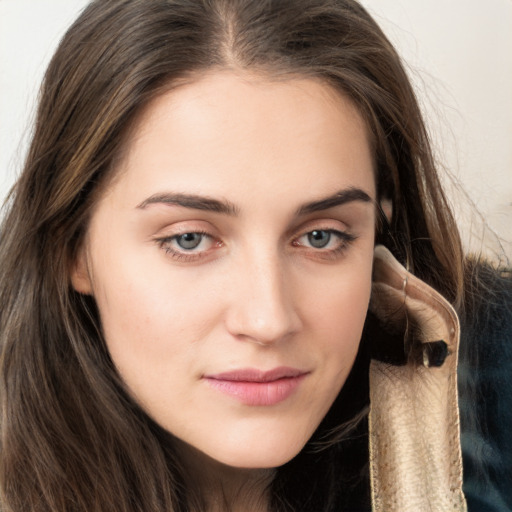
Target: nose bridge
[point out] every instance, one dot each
(263, 308)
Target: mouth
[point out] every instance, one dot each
(258, 388)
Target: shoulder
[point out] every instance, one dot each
(485, 384)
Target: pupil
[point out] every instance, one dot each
(319, 239)
(189, 240)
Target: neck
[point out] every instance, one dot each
(223, 488)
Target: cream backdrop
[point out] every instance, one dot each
(459, 55)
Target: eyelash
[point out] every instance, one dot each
(345, 239)
(184, 255)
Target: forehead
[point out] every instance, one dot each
(227, 127)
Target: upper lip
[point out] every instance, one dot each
(255, 375)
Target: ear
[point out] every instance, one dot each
(386, 206)
(80, 275)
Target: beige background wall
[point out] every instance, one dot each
(459, 54)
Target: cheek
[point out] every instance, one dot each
(339, 304)
(334, 311)
(164, 327)
(152, 323)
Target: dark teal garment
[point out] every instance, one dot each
(485, 392)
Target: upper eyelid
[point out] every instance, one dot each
(183, 227)
(208, 229)
(319, 225)
(175, 236)
(341, 232)
(295, 232)
(345, 236)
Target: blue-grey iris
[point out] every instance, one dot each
(319, 239)
(189, 240)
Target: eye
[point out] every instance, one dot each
(327, 244)
(189, 246)
(189, 241)
(324, 239)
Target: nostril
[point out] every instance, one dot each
(262, 305)
(263, 320)
(262, 330)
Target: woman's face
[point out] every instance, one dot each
(231, 260)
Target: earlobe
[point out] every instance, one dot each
(79, 273)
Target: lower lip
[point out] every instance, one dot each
(258, 393)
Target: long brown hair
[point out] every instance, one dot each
(72, 439)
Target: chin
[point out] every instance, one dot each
(259, 456)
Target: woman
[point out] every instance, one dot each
(193, 316)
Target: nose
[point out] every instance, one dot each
(262, 308)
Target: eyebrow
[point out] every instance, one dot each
(194, 201)
(341, 197)
(198, 202)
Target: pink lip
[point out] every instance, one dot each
(255, 387)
